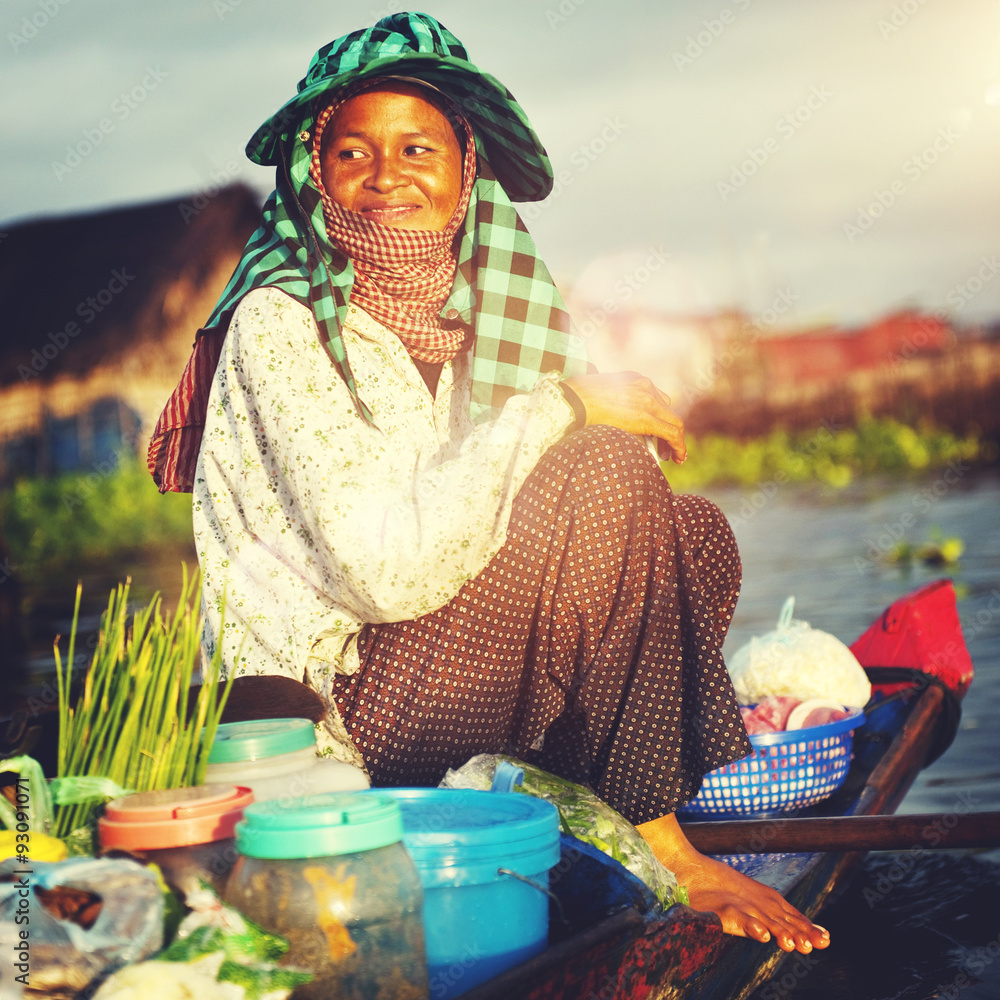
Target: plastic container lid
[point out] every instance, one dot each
(319, 825)
(173, 817)
(461, 836)
(236, 741)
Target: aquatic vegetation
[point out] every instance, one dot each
(830, 455)
(935, 550)
(88, 518)
(83, 518)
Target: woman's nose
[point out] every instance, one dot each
(388, 172)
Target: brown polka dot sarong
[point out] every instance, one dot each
(590, 645)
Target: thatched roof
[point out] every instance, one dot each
(79, 291)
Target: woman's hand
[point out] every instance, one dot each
(632, 403)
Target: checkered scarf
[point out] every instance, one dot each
(501, 289)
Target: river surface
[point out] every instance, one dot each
(908, 927)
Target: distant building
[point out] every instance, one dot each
(908, 365)
(726, 373)
(97, 316)
(830, 354)
(690, 356)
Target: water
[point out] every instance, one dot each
(908, 927)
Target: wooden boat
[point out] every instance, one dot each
(608, 941)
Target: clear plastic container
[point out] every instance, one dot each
(276, 758)
(330, 874)
(187, 832)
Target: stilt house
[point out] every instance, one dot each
(97, 316)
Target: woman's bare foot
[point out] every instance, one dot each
(746, 908)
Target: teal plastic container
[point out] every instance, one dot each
(483, 861)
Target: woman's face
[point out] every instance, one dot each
(393, 157)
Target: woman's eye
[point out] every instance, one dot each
(349, 154)
(416, 150)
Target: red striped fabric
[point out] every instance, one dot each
(173, 451)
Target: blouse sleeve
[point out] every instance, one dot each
(385, 522)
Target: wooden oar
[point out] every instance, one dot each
(926, 831)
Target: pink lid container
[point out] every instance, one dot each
(172, 817)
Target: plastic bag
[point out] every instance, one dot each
(211, 976)
(31, 804)
(582, 814)
(798, 661)
(58, 956)
(217, 955)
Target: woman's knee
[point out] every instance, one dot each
(712, 545)
(612, 453)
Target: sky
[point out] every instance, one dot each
(838, 158)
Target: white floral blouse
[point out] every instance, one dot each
(310, 522)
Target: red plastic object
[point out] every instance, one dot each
(173, 817)
(920, 631)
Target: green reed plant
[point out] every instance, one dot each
(131, 724)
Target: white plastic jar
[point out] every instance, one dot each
(276, 758)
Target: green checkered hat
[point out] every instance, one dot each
(416, 45)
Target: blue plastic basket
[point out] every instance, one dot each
(787, 770)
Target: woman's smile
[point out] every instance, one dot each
(391, 213)
(392, 156)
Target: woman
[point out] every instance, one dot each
(413, 494)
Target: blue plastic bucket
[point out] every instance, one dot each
(483, 861)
